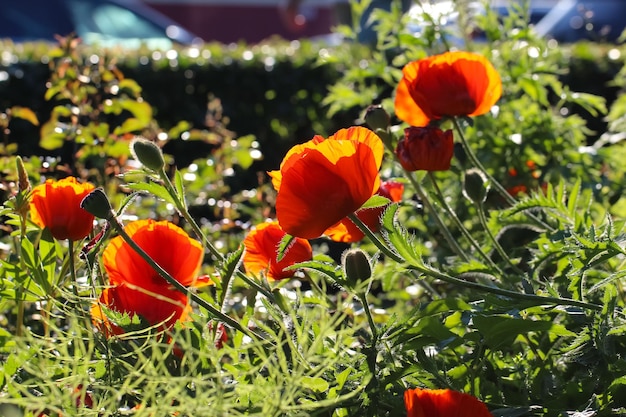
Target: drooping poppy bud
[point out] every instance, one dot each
(475, 186)
(425, 149)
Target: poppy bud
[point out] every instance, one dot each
(356, 267)
(148, 153)
(23, 184)
(376, 117)
(425, 148)
(475, 186)
(98, 204)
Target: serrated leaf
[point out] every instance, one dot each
(283, 247)
(498, 331)
(228, 268)
(327, 269)
(376, 201)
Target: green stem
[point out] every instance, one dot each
(483, 221)
(468, 284)
(182, 209)
(496, 184)
(370, 318)
(73, 281)
(375, 240)
(431, 209)
(499, 291)
(180, 287)
(462, 228)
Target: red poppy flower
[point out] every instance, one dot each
(442, 403)
(323, 180)
(450, 84)
(346, 231)
(261, 252)
(425, 148)
(137, 289)
(56, 205)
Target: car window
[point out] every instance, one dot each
(98, 22)
(598, 20)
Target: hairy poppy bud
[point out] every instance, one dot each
(148, 153)
(98, 204)
(376, 117)
(356, 267)
(475, 186)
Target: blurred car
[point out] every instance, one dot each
(445, 14)
(128, 23)
(593, 20)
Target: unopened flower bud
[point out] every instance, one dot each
(148, 153)
(356, 267)
(475, 186)
(425, 149)
(377, 118)
(23, 183)
(98, 204)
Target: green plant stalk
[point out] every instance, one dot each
(180, 287)
(466, 233)
(496, 184)
(370, 319)
(468, 284)
(182, 209)
(431, 209)
(483, 221)
(73, 281)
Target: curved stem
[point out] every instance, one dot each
(499, 291)
(375, 240)
(494, 241)
(180, 287)
(370, 318)
(462, 228)
(431, 209)
(182, 209)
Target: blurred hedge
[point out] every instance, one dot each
(273, 91)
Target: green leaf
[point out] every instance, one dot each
(315, 383)
(283, 246)
(376, 201)
(154, 189)
(228, 268)
(500, 331)
(25, 113)
(180, 187)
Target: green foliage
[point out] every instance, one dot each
(515, 296)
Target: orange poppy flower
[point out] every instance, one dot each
(450, 84)
(323, 180)
(346, 231)
(442, 403)
(425, 148)
(56, 205)
(136, 287)
(261, 252)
